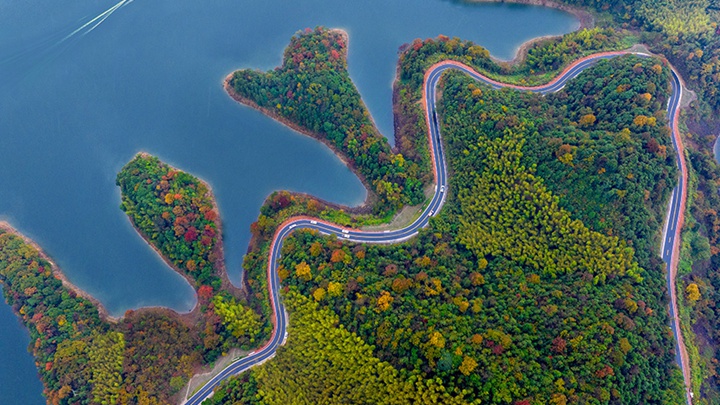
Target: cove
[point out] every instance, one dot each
(73, 112)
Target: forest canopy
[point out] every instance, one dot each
(584, 173)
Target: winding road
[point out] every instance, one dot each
(671, 230)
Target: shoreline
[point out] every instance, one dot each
(585, 20)
(522, 50)
(346, 52)
(103, 313)
(190, 317)
(219, 265)
(370, 198)
(195, 307)
(57, 273)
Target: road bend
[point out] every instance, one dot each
(671, 230)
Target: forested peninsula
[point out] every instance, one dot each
(147, 356)
(338, 118)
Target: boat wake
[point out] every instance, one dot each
(35, 58)
(84, 30)
(47, 46)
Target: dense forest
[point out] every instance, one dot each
(700, 278)
(324, 363)
(517, 304)
(543, 61)
(687, 33)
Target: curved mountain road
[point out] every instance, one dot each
(671, 232)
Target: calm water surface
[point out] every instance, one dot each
(74, 111)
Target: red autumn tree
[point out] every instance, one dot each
(191, 234)
(338, 255)
(558, 345)
(205, 292)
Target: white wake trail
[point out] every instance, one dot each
(102, 16)
(124, 3)
(45, 47)
(99, 22)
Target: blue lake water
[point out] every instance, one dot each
(74, 110)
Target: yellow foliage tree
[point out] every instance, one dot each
(315, 249)
(640, 120)
(461, 303)
(477, 278)
(385, 300)
(335, 289)
(437, 339)
(191, 265)
(283, 273)
(587, 120)
(468, 365)
(558, 399)
(692, 292)
(302, 271)
(319, 294)
(625, 346)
